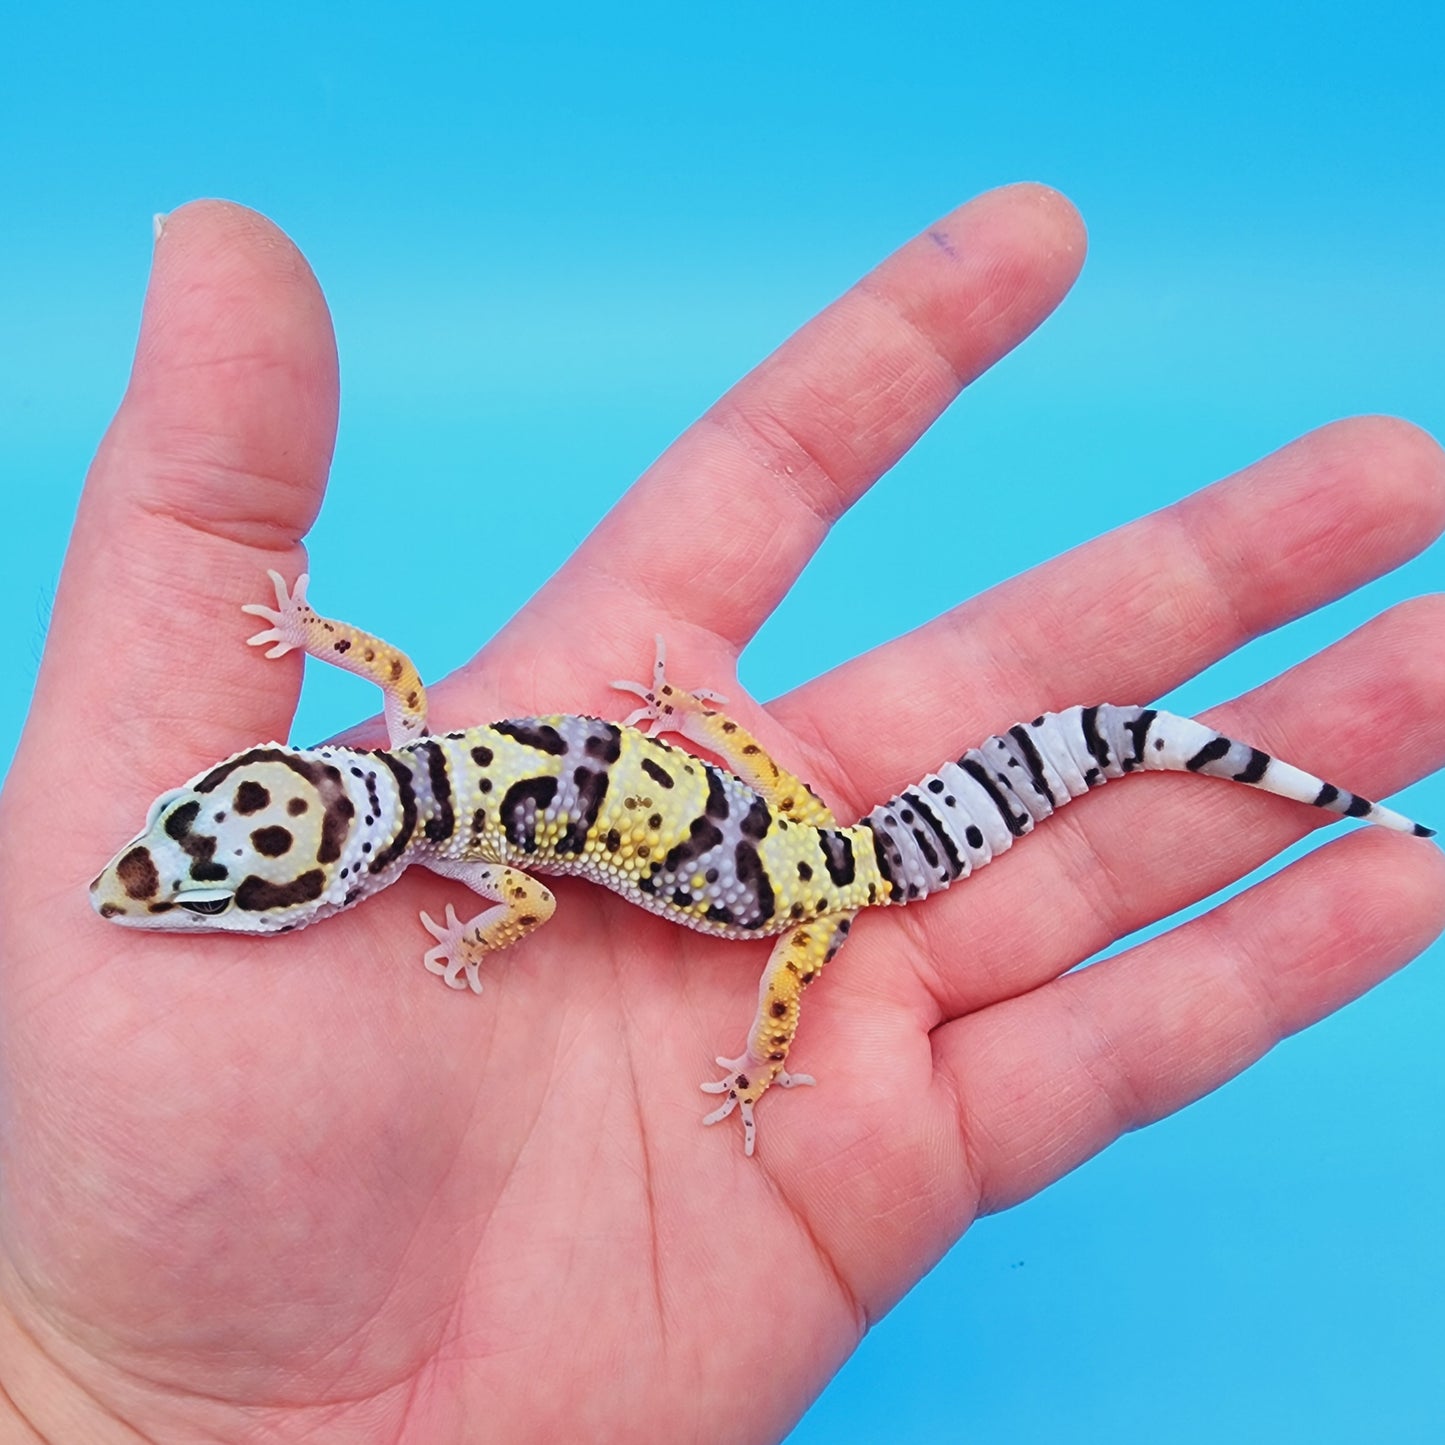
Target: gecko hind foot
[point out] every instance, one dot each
(737, 1084)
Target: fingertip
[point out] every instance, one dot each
(231, 300)
(1402, 464)
(1365, 493)
(984, 276)
(1027, 222)
(1048, 213)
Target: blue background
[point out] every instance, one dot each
(548, 244)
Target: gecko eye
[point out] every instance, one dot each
(200, 901)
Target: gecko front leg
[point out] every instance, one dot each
(522, 904)
(294, 623)
(668, 708)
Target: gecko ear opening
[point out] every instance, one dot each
(208, 901)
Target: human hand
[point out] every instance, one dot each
(263, 1191)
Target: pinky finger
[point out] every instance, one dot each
(1044, 1081)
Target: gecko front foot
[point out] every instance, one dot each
(448, 959)
(663, 703)
(746, 1081)
(287, 628)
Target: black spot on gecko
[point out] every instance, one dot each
(606, 746)
(717, 798)
(657, 773)
(591, 791)
(1254, 769)
(757, 822)
(1034, 763)
(482, 757)
(255, 895)
(703, 837)
(336, 817)
(1211, 752)
(199, 847)
(539, 792)
(272, 842)
(881, 843)
(804, 872)
(251, 797)
(532, 734)
(1138, 730)
(1018, 826)
(973, 836)
(296, 807)
(137, 874)
(443, 820)
(945, 838)
(1094, 740)
(406, 798)
(754, 877)
(837, 856)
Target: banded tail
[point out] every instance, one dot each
(962, 816)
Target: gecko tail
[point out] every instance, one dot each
(969, 811)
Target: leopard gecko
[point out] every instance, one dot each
(277, 837)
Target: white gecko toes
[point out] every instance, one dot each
(745, 1112)
(655, 696)
(741, 1077)
(285, 632)
(447, 960)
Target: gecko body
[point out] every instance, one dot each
(275, 837)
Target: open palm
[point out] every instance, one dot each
(299, 1190)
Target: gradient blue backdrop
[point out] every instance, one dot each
(548, 244)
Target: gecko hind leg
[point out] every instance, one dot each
(796, 960)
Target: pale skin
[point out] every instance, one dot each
(297, 1190)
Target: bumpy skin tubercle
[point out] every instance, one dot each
(275, 838)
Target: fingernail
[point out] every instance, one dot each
(158, 225)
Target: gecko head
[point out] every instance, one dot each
(254, 845)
